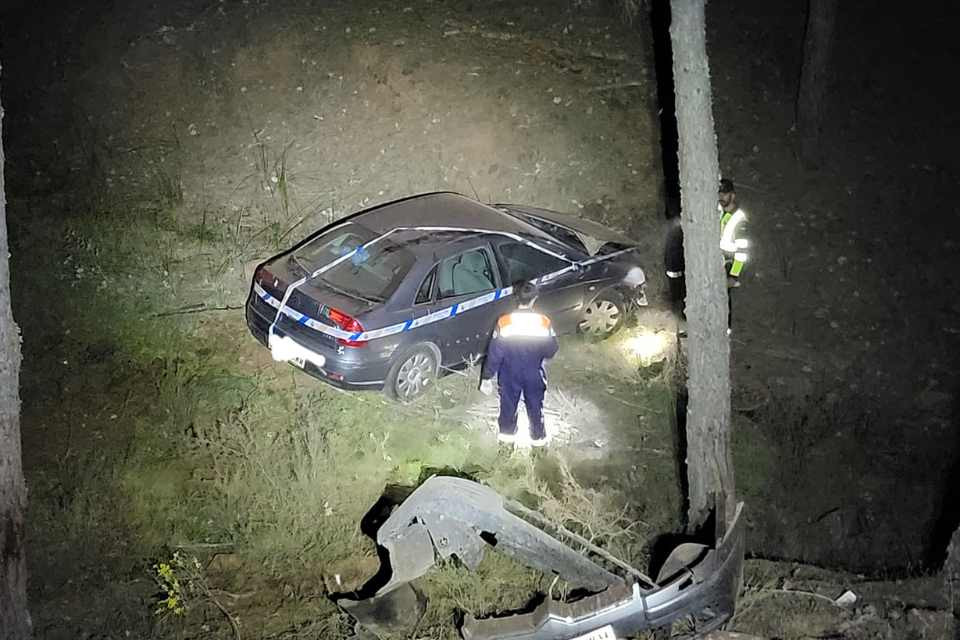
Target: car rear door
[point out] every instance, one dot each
(466, 295)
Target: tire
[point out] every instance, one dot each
(413, 373)
(603, 316)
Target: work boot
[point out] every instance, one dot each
(538, 447)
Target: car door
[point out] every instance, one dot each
(466, 284)
(561, 298)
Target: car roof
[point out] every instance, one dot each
(443, 210)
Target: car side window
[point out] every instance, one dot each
(522, 262)
(469, 272)
(426, 288)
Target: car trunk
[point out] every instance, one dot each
(313, 298)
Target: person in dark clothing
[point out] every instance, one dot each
(521, 341)
(732, 244)
(674, 265)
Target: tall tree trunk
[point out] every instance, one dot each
(15, 621)
(811, 96)
(951, 577)
(709, 466)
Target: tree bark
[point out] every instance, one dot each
(812, 94)
(15, 623)
(709, 466)
(951, 579)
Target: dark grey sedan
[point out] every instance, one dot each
(387, 297)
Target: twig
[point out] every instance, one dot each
(606, 555)
(552, 584)
(462, 374)
(618, 85)
(205, 545)
(229, 616)
(200, 307)
(809, 594)
(235, 596)
(611, 57)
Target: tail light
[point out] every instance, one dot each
(347, 323)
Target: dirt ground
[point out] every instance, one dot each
(157, 150)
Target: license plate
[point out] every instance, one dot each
(603, 633)
(283, 349)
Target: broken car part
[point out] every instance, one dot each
(448, 517)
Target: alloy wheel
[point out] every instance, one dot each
(414, 376)
(600, 318)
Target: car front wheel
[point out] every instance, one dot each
(413, 373)
(603, 316)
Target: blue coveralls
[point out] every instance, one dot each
(521, 342)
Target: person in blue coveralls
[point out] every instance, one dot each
(521, 341)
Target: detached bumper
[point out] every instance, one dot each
(704, 590)
(448, 517)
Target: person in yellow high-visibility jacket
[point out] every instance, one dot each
(733, 245)
(733, 242)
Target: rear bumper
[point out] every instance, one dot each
(707, 585)
(344, 367)
(447, 516)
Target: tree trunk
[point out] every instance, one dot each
(951, 578)
(709, 466)
(15, 621)
(811, 96)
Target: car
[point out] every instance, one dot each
(388, 297)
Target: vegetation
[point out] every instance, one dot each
(181, 453)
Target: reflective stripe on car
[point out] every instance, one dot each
(282, 307)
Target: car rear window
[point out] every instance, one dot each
(373, 272)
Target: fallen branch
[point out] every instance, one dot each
(810, 594)
(542, 520)
(207, 546)
(195, 308)
(235, 596)
(618, 85)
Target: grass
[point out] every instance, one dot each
(173, 431)
(498, 584)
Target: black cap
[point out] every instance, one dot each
(726, 185)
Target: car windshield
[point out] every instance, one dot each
(561, 233)
(568, 252)
(373, 272)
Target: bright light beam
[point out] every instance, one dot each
(646, 346)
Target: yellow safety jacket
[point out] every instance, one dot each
(734, 246)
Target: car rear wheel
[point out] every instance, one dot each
(603, 316)
(413, 373)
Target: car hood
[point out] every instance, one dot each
(593, 234)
